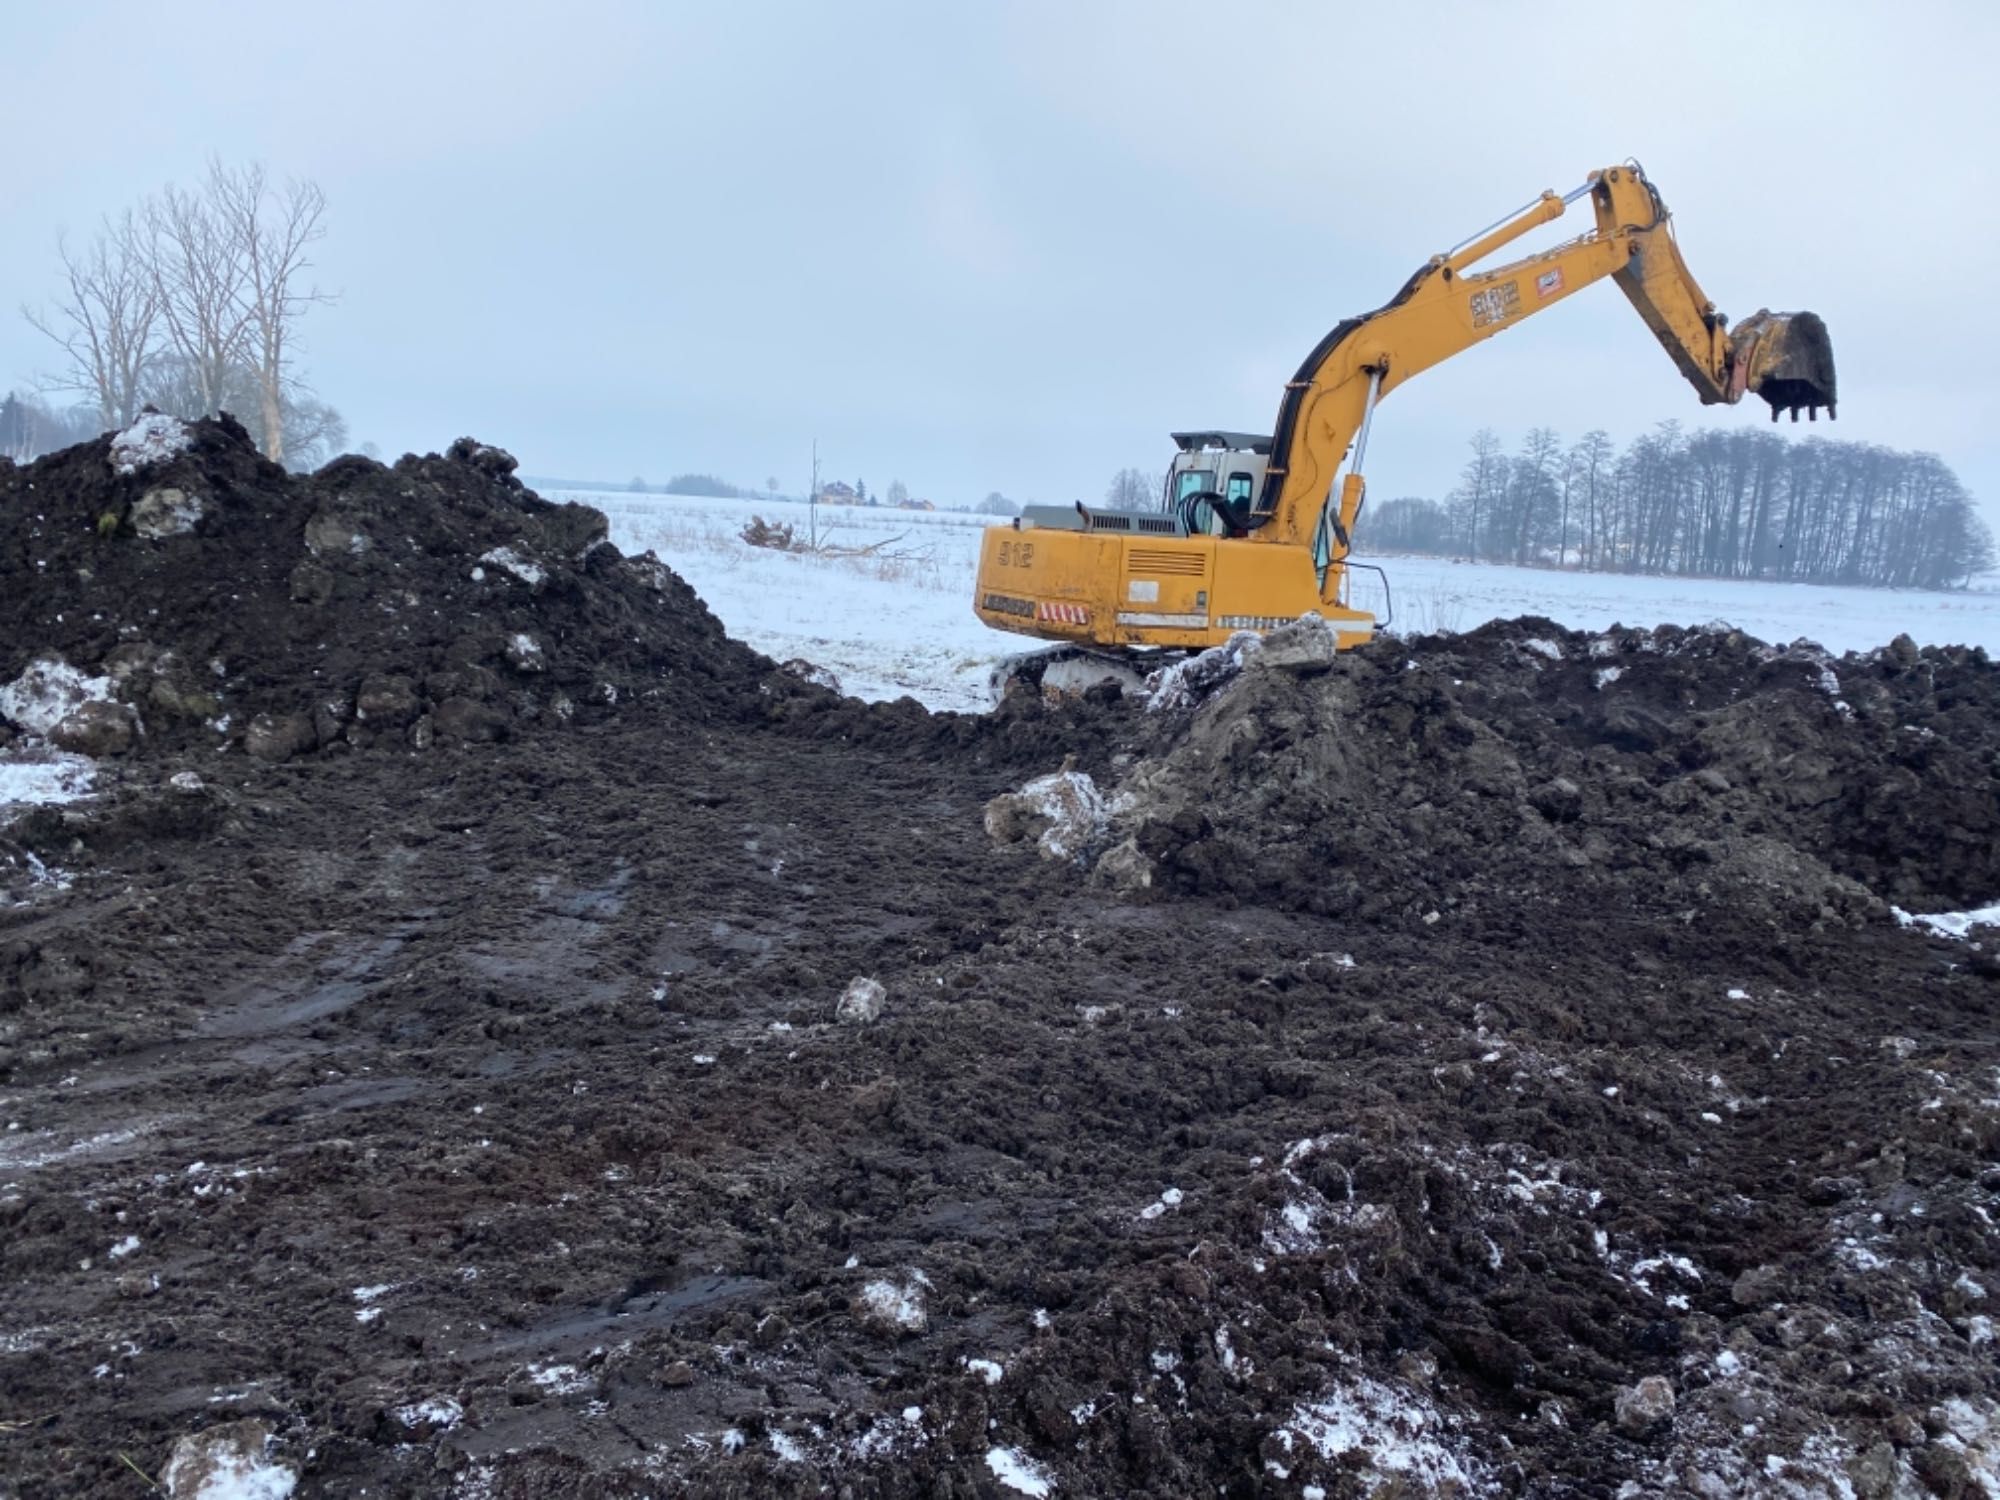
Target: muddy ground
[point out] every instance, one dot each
(1424, 1051)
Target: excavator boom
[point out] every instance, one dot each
(1193, 578)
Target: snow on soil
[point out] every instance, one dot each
(1017, 1471)
(226, 1463)
(1392, 1431)
(900, 1307)
(891, 627)
(152, 439)
(43, 778)
(1076, 812)
(48, 691)
(1957, 924)
(512, 561)
(441, 1412)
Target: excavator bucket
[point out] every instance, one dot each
(1787, 359)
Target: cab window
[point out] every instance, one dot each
(1192, 481)
(1238, 490)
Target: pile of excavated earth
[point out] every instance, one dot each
(468, 1027)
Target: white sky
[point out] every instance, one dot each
(1009, 246)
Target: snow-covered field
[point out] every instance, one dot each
(900, 622)
(903, 623)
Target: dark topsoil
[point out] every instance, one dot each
(1444, 1042)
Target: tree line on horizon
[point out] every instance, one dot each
(1716, 504)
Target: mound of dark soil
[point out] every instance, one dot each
(1484, 777)
(231, 602)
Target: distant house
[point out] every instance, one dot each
(838, 493)
(913, 503)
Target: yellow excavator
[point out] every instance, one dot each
(1253, 532)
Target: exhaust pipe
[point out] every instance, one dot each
(1787, 359)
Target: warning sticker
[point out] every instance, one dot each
(1549, 282)
(1143, 590)
(1495, 303)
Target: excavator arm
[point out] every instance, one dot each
(1446, 307)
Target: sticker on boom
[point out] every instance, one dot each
(1549, 282)
(1496, 303)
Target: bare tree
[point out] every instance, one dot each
(199, 279)
(314, 431)
(1482, 480)
(1133, 489)
(269, 233)
(105, 323)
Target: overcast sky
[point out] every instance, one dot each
(1010, 246)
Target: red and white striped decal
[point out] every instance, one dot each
(1063, 614)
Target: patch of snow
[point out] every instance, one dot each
(787, 1448)
(987, 1370)
(44, 778)
(507, 558)
(442, 1412)
(1075, 810)
(124, 1247)
(48, 690)
(1018, 1472)
(1185, 683)
(1859, 1256)
(1951, 924)
(1225, 1352)
(898, 1306)
(223, 1467)
(1603, 677)
(154, 438)
(1543, 648)
(1394, 1431)
(558, 1380)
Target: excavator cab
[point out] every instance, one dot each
(1214, 480)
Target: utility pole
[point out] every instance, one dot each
(812, 498)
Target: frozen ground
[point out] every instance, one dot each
(905, 625)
